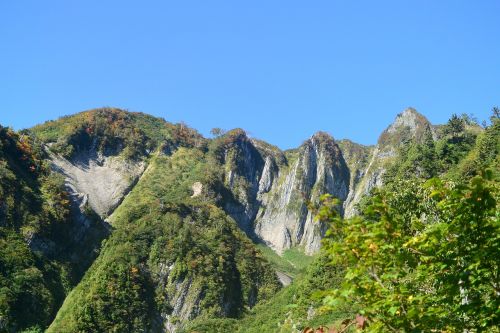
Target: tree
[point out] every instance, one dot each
(217, 132)
(470, 119)
(424, 258)
(495, 113)
(455, 126)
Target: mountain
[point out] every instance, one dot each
(269, 190)
(315, 168)
(408, 127)
(102, 153)
(171, 257)
(46, 242)
(139, 224)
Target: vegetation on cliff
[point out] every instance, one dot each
(34, 210)
(111, 131)
(421, 255)
(163, 238)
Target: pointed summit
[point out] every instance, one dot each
(323, 143)
(408, 125)
(320, 139)
(322, 136)
(315, 168)
(408, 118)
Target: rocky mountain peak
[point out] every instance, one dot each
(317, 167)
(236, 135)
(321, 136)
(408, 125)
(321, 140)
(408, 118)
(324, 148)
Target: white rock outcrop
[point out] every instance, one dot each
(104, 180)
(271, 194)
(284, 220)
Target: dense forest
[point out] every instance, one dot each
(231, 234)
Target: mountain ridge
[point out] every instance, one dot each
(256, 164)
(195, 227)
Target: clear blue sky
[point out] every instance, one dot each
(279, 69)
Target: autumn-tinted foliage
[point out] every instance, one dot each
(33, 206)
(164, 239)
(422, 256)
(113, 131)
(422, 259)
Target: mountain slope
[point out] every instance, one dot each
(44, 250)
(175, 257)
(290, 310)
(409, 126)
(181, 212)
(284, 220)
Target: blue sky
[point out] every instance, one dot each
(281, 70)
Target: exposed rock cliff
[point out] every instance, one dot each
(174, 235)
(284, 220)
(246, 173)
(408, 126)
(96, 185)
(357, 158)
(103, 180)
(271, 191)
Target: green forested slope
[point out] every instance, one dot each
(291, 310)
(178, 261)
(338, 285)
(111, 130)
(36, 270)
(423, 258)
(160, 226)
(47, 244)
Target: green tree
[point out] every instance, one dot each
(495, 113)
(455, 126)
(424, 258)
(217, 132)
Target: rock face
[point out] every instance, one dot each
(267, 191)
(285, 279)
(284, 220)
(197, 189)
(271, 191)
(245, 168)
(408, 126)
(184, 301)
(357, 158)
(96, 184)
(102, 180)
